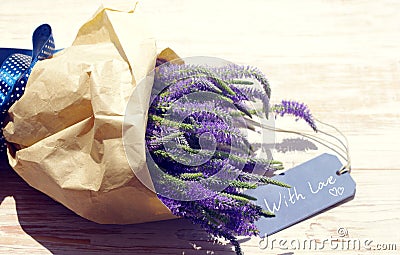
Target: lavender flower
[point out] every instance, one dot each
(299, 110)
(232, 72)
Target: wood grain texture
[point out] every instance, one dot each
(340, 57)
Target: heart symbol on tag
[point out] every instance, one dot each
(333, 191)
(336, 191)
(340, 190)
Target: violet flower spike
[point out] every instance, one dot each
(299, 110)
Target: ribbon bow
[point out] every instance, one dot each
(16, 67)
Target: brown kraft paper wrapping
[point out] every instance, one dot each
(65, 133)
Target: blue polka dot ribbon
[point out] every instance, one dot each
(16, 67)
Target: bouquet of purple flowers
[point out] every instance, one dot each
(194, 137)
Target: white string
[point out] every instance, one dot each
(342, 149)
(347, 167)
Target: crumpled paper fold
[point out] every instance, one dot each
(65, 132)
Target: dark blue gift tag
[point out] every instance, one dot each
(315, 186)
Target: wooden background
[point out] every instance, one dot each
(340, 57)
